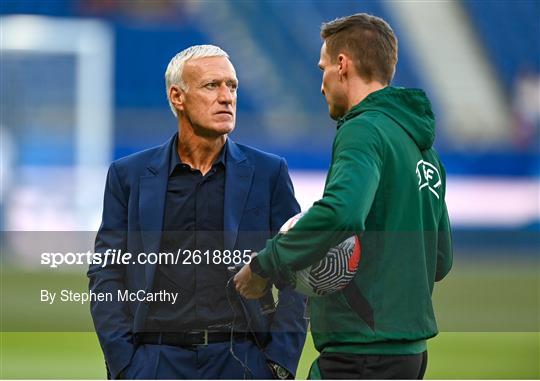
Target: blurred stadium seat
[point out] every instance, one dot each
(510, 31)
(280, 107)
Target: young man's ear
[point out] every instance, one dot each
(176, 95)
(343, 64)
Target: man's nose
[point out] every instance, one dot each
(322, 89)
(225, 95)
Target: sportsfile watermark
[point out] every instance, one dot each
(113, 257)
(49, 280)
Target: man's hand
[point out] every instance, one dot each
(249, 284)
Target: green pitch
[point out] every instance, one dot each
(488, 313)
(452, 356)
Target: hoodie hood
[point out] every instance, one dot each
(409, 108)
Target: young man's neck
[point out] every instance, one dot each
(358, 90)
(199, 152)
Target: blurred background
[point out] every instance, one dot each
(81, 84)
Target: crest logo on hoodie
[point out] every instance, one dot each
(428, 177)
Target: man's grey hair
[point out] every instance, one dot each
(173, 74)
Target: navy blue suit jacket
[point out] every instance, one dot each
(258, 199)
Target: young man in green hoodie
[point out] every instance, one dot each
(387, 185)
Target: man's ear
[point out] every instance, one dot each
(177, 97)
(343, 64)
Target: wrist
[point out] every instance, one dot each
(256, 268)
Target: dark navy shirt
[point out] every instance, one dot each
(193, 220)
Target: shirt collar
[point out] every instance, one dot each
(174, 158)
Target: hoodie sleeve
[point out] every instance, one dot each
(444, 248)
(444, 238)
(352, 182)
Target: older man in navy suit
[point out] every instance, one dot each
(209, 201)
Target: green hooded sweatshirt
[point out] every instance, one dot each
(387, 185)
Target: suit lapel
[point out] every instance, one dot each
(238, 177)
(152, 195)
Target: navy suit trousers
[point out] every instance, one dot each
(213, 361)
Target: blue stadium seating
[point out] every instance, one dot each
(510, 32)
(289, 33)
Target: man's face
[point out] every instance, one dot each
(209, 103)
(332, 86)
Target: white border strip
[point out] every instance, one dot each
(472, 201)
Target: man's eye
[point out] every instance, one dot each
(210, 85)
(233, 86)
